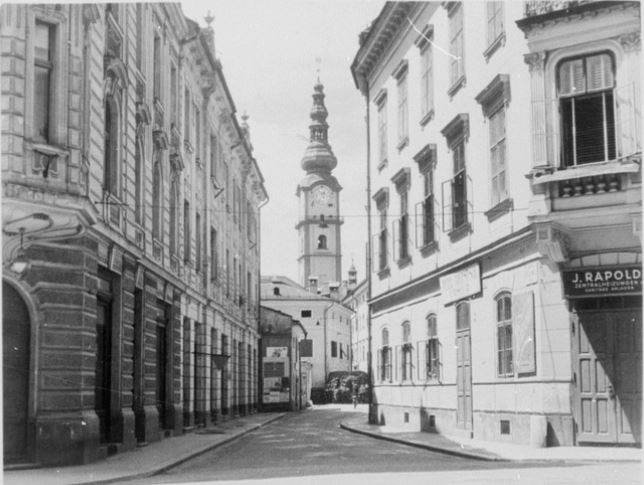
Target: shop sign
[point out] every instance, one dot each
(603, 281)
(461, 284)
(277, 352)
(306, 348)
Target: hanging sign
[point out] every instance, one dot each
(604, 281)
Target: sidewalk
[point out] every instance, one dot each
(488, 450)
(145, 461)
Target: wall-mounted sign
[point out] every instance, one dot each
(306, 348)
(461, 284)
(277, 352)
(603, 281)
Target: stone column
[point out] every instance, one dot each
(536, 63)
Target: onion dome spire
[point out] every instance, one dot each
(318, 156)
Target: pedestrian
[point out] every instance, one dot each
(354, 394)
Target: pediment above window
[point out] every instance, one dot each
(495, 94)
(426, 157)
(143, 115)
(176, 162)
(402, 178)
(160, 139)
(116, 78)
(458, 127)
(381, 197)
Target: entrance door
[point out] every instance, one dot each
(463, 367)
(103, 368)
(15, 374)
(161, 373)
(608, 375)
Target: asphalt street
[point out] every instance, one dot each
(311, 444)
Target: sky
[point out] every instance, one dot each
(269, 51)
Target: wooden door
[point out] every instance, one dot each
(464, 380)
(628, 375)
(161, 373)
(15, 375)
(596, 404)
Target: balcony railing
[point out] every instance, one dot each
(534, 8)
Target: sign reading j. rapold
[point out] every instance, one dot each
(603, 281)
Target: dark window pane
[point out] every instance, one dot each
(41, 103)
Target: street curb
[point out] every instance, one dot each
(461, 454)
(183, 459)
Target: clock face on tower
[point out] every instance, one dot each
(321, 196)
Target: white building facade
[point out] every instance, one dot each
(473, 306)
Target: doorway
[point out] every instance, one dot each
(103, 383)
(607, 349)
(464, 414)
(16, 352)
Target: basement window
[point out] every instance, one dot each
(505, 426)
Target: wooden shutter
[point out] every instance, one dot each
(446, 205)
(599, 72)
(523, 333)
(571, 78)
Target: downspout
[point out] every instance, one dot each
(373, 414)
(326, 366)
(258, 358)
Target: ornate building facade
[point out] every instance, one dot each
(131, 222)
(505, 158)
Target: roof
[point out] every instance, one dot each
(289, 290)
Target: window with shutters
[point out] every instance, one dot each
(403, 110)
(456, 50)
(495, 27)
(401, 226)
(381, 103)
(503, 304)
(432, 357)
(385, 357)
(459, 186)
(426, 82)
(455, 191)
(585, 89)
(497, 156)
(407, 353)
(382, 234)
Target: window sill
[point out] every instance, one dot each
(499, 209)
(460, 232)
(427, 118)
(403, 262)
(494, 46)
(429, 249)
(402, 143)
(460, 82)
(382, 165)
(384, 273)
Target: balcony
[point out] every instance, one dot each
(536, 8)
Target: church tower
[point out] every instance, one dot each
(319, 202)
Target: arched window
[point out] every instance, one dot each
(406, 352)
(585, 89)
(503, 304)
(174, 214)
(384, 357)
(322, 241)
(111, 149)
(462, 316)
(432, 356)
(156, 199)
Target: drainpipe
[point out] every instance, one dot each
(373, 415)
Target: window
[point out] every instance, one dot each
(139, 36)
(138, 178)
(227, 186)
(173, 96)
(425, 220)
(213, 254)
(322, 241)
(382, 129)
(157, 68)
(504, 334)
(197, 242)
(401, 181)
(186, 115)
(334, 349)
(432, 357)
(462, 316)
(459, 186)
(197, 147)
(494, 22)
(497, 156)
(384, 357)
(456, 132)
(276, 292)
(174, 214)
(228, 274)
(407, 348)
(457, 67)
(213, 156)
(43, 80)
(156, 196)
(186, 232)
(403, 115)
(305, 313)
(428, 207)
(585, 89)
(382, 201)
(426, 80)
(110, 169)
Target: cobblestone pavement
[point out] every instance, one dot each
(310, 444)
